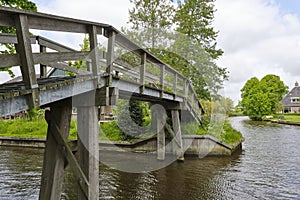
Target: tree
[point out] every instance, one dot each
(194, 19)
(149, 18)
(260, 98)
(9, 48)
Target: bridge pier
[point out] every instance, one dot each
(59, 116)
(177, 137)
(88, 149)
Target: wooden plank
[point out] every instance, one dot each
(6, 20)
(65, 67)
(88, 148)
(7, 38)
(54, 161)
(26, 59)
(53, 45)
(9, 60)
(59, 56)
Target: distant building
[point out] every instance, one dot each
(291, 102)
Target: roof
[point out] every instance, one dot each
(294, 93)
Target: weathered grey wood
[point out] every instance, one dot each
(15, 60)
(143, 72)
(65, 67)
(10, 60)
(175, 84)
(177, 137)
(53, 45)
(161, 139)
(26, 58)
(88, 148)
(7, 38)
(110, 56)
(94, 50)
(43, 68)
(59, 56)
(68, 154)
(54, 161)
(162, 78)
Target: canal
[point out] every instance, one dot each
(268, 167)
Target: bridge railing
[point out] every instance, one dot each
(151, 72)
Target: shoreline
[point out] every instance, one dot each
(193, 145)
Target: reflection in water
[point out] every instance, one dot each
(267, 168)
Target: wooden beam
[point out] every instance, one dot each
(162, 79)
(88, 148)
(7, 38)
(59, 56)
(177, 137)
(54, 161)
(26, 59)
(161, 138)
(53, 45)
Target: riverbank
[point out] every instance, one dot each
(289, 119)
(193, 145)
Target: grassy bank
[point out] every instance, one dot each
(288, 117)
(224, 132)
(37, 128)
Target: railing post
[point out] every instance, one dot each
(110, 57)
(27, 63)
(162, 75)
(185, 89)
(175, 85)
(143, 72)
(43, 68)
(94, 50)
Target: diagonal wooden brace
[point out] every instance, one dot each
(67, 152)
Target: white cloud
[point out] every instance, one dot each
(258, 39)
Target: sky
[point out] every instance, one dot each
(259, 37)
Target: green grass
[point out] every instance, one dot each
(23, 128)
(289, 117)
(226, 134)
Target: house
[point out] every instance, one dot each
(291, 102)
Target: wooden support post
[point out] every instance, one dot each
(186, 88)
(54, 161)
(177, 137)
(110, 57)
(88, 149)
(26, 57)
(143, 72)
(43, 68)
(161, 139)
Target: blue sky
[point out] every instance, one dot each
(290, 6)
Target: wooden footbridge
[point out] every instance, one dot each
(108, 77)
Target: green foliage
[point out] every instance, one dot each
(110, 131)
(260, 98)
(9, 48)
(191, 51)
(194, 19)
(230, 135)
(23, 128)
